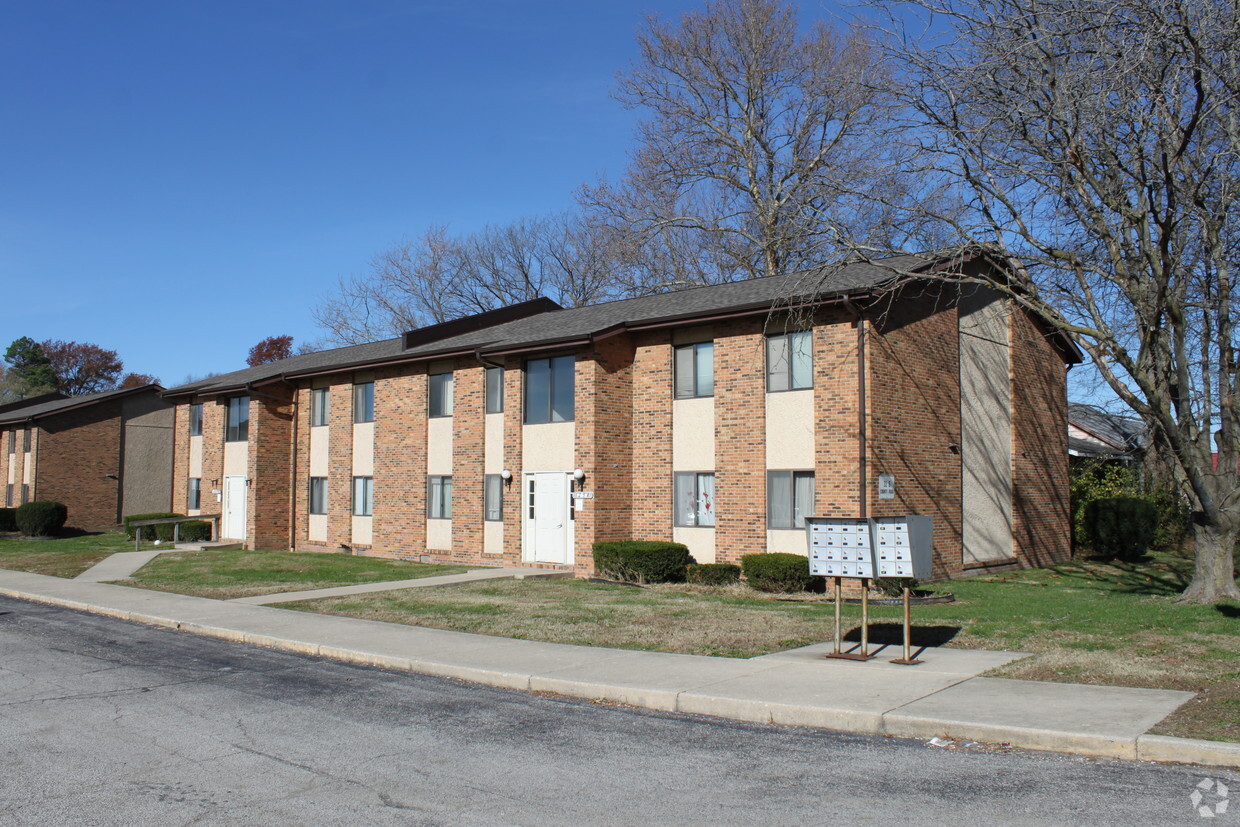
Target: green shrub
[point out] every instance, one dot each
(713, 574)
(777, 572)
(152, 532)
(41, 518)
(8, 519)
(642, 561)
(1122, 527)
(195, 532)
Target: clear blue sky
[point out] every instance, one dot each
(183, 179)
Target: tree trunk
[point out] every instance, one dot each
(1214, 575)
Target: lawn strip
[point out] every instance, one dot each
(61, 556)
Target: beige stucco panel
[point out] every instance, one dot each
(236, 459)
(986, 429)
(317, 529)
(320, 451)
(362, 530)
(195, 457)
(492, 537)
(493, 449)
(439, 446)
(364, 449)
(548, 447)
(439, 535)
(701, 542)
(790, 430)
(787, 541)
(693, 434)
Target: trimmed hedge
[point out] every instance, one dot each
(195, 532)
(41, 518)
(777, 572)
(1122, 527)
(642, 561)
(153, 532)
(8, 519)
(713, 574)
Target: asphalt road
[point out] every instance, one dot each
(107, 722)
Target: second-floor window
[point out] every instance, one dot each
(26, 441)
(320, 407)
(12, 442)
(789, 361)
(439, 395)
(549, 389)
(237, 419)
(695, 370)
(364, 402)
(495, 390)
(195, 419)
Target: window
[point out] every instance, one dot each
(320, 406)
(8, 496)
(493, 497)
(549, 389)
(495, 390)
(695, 370)
(695, 499)
(789, 498)
(193, 497)
(363, 496)
(237, 419)
(12, 442)
(318, 495)
(25, 493)
(195, 419)
(439, 498)
(364, 402)
(26, 441)
(440, 395)
(789, 361)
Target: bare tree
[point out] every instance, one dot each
(1098, 143)
(758, 136)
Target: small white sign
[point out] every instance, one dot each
(583, 495)
(886, 487)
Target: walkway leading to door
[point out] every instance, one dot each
(516, 573)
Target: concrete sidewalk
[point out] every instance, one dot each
(943, 697)
(471, 576)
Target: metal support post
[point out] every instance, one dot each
(907, 660)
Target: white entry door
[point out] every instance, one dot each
(234, 508)
(548, 525)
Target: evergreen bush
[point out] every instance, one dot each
(777, 572)
(1122, 527)
(8, 519)
(41, 518)
(642, 561)
(713, 574)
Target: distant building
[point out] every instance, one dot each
(1095, 434)
(104, 455)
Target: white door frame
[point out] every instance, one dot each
(227, 529)
(530, 553)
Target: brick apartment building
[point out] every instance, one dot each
(104, 455)
(524, 435)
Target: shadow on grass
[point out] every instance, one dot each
(1227, 610)
(892, 634)
(1162, 576)
(70, 531)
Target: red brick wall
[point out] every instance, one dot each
(74, 453)
(1041, 520)
(212, 455)
(270, 471)
(340, 464)
(913, 393)
(652, 435)
(180, 460)
(400, 462)
(837, 446)
(514, 492)
(468, 432)
(740, 439)
(301, 467)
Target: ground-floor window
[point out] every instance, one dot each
(789, 498)
(439, 498)
(318, 495)
(25, 493)
(193, 495)
(363, 496)
(694, 499)
(8, 496)
(493, 497)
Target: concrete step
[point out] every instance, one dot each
(209, 546)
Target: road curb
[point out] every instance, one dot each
(694, 701)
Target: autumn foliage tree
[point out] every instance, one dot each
(271, 349)
(82, 367)
(137, 380)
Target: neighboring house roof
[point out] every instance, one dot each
(43, 409)
(1121, 436)
(549, 327)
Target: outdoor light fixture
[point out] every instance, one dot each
(506, 475)
(579, 475)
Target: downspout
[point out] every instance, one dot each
(863, 493)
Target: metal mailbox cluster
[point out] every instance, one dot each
(899, 547)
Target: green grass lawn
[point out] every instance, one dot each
(237, 573)
(1084, 622)
(61, 556)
